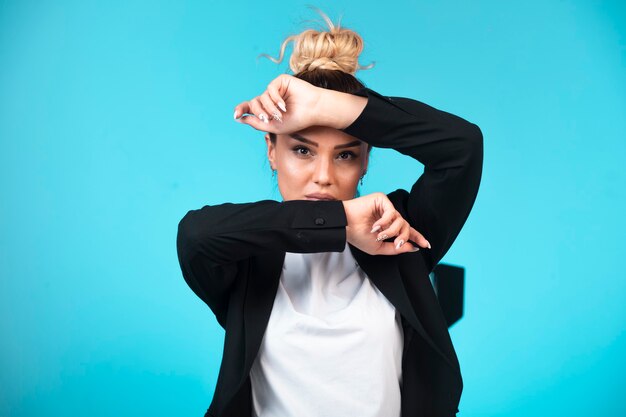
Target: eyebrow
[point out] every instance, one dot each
(310, 142)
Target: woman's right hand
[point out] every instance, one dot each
(287, 105)
(372, 219)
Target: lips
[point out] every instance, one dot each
(320, 196)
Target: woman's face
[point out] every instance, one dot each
(317, 163)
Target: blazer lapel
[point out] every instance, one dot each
(259, 300)
(383, 272)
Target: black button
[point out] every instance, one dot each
(319, 221)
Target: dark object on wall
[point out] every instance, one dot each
(448, 282)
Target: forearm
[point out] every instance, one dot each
(449, 147)
(436, 138)
(229, 232)
(338, 110)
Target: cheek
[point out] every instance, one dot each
(348, 180)
(293, 176)
(349, 174)
(293, 169)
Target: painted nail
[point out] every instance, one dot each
(415, 249)
(263, 118)
(276, 116)
(281, 105)
(383, 237)
(375, 228)
(428, 244)
(400, 243)
(235, 115)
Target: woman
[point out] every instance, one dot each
(325, 297)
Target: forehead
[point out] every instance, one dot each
(320, 136)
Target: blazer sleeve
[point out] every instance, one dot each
(449, 147)
(213, 239)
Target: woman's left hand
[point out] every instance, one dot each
(376, 213)
(288, 105)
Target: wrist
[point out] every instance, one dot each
(338, 110)
(349, 221)
(346, 208)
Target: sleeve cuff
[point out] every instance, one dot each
(319, 214)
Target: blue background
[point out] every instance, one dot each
(116, 119)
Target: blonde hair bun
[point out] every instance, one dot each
(336, 49)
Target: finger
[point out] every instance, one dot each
(385, 220)
(276, 97)
(241, 109)
(386, 248)
(256, 117)
(270, 107)
(281, 84)
(384, 208)
(257, 109)
(403, 235)
(252, 109)
(413, 242)
(419, 239)
(253, 121)
(392, 230)
(407, 247)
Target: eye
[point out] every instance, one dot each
(301, 150)
(347, 155)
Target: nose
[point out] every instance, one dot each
(323, 172)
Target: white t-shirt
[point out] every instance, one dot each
(333, 345)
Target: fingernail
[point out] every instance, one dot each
(415, 249)
(277, 116)
(235, 115)
(375, 229)
(263, 118)
(282, 106)
(400, 243)
(428, 244)
(383, 237)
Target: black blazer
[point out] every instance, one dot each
(231, 255)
